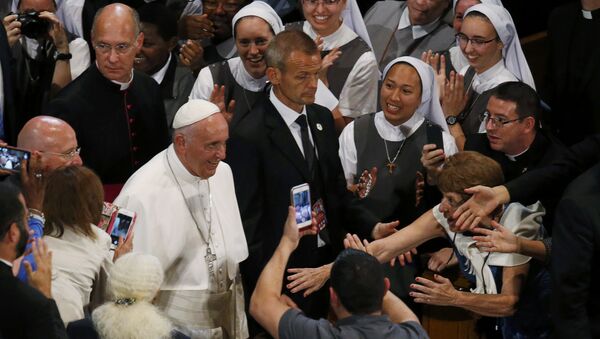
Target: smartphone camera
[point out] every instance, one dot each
(32, 26)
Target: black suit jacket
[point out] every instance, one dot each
(25, 312)
(575, 256)
(10, 118)
(573, 73)
(551, 180)
(267, 163)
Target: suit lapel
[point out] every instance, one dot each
(282, 138)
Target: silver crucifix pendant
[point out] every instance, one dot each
(210, 258)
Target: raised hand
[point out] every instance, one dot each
(432, 159)
(326, 62)
(217, 97)
(41, 279)
(454, 98)
(13, 29)
(191, 55)
(438, 63)
(33, 181)
(124, 246)
(56, 32)
(291, 233)
(196, 27)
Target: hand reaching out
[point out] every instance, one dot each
(191, 55)
(499, 239)
(308, 280)
(432, 159)
(439, 291)
(382, 230)
(441, 259)
(483, 202)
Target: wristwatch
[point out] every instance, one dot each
(62, 56)
(451, 120)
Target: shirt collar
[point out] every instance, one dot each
(288, 114)
(396, 133)
(243, 78)
(8, 263)
(514, 157)
(418, 31)
(340, 37)
(160, 75)
(492, 77)
(179, 170)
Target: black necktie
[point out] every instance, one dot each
(309, 151)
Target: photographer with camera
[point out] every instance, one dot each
(47, 56)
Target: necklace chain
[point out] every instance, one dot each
(387, 153)
(208, 220)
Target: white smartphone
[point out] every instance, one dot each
(121, 225)
(300, 196)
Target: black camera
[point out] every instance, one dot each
(32, 26)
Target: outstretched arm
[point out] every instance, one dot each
(266, 305)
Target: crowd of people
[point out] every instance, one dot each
(425, 140)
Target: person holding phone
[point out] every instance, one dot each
(81, 251)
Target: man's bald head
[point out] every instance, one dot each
(53, 138)
(116, 39)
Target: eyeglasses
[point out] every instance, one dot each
(68, 155)
(227, 7)
(462, 40)
(315, 3)
(498, 122)
(120, 49)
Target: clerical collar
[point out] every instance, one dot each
(288, 114)
(587, 14)
(418, 31)
(160, 75)
(397, 133)
(182, 174)
(514, 157)
(8, 263)
(340, 37)
(122, 85)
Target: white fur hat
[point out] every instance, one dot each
(136, 276)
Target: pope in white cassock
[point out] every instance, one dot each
(188, 217)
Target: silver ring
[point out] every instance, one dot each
(38, 175)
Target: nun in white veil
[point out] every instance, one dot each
(457, 58)
(390, 130)
(354, 75)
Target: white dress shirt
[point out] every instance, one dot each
(418, 31)
(290, 116)
(160, 75)
(386, 131)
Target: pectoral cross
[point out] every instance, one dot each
(391, 167)
(210, 258)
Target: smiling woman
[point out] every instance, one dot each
(354, 74)
(489, 41)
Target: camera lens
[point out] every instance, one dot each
(32, 26)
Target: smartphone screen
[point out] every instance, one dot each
(301, 201)
(10, 158)
(120, 227)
